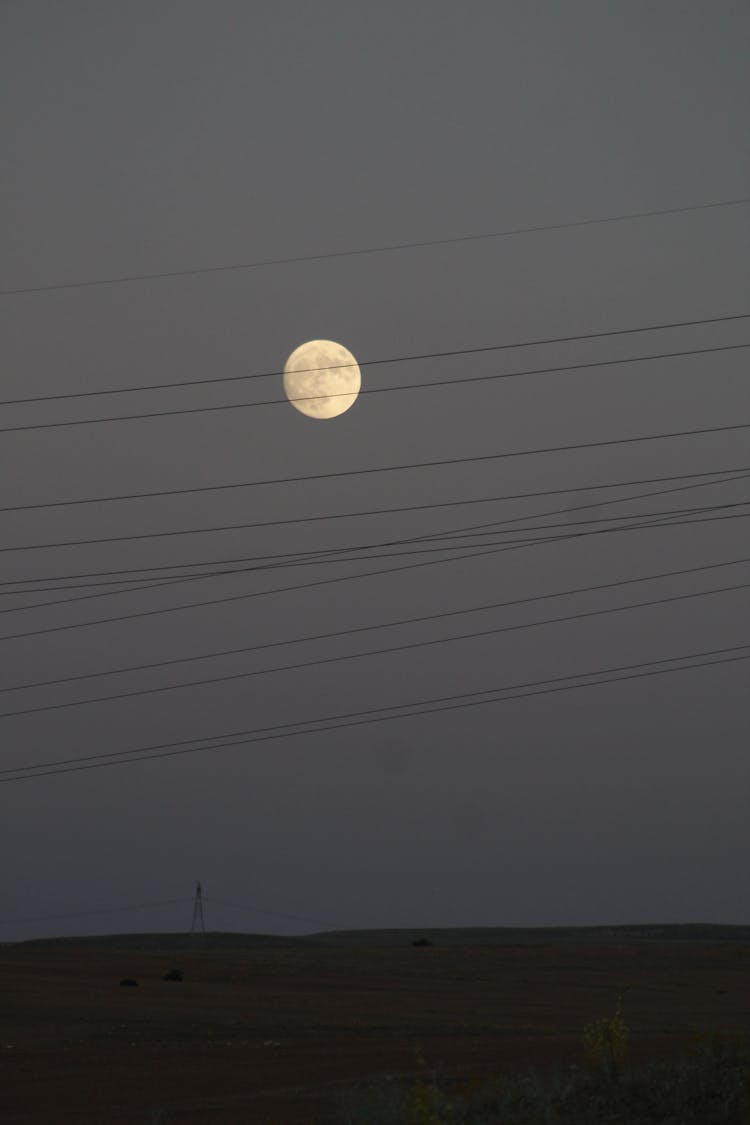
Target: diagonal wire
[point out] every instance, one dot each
(387, 248)
(357, 629)
(424, 385)
(482, 458)
(459, 701)
(388, 650)
(471, 554)
(451, 353)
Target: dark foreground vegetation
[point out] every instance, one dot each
(710, 1086)
(474, 1028)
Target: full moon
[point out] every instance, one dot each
(321, 379)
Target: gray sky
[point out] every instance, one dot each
(149, 137)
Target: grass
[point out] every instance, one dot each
(711, 1086)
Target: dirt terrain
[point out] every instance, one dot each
(271, 1036)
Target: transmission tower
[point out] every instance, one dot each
(198, 923)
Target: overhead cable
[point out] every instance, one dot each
(357, 629)
(441, 540)
(729, 475)
(386, 248)
(424, 385)
(91, 913)
(458, 701)
(478, 552)
(485, 349)
(346, 473)
(277, 913)
(387, 651)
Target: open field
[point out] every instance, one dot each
(272, 1034)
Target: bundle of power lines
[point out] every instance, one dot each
(452, 543)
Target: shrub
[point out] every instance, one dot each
(604, 1043)
(709, 1087)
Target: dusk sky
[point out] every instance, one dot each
(151, 139)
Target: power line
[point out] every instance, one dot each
(142, 583)
(556, 369)
(372, 715)
(253, 594)
(355, 630)
(381, 249)
(410, 358)
(174, 580)
(515, 545)
(337, 474)
(389, 650)
(128, 584)
(357, 552)
(495, 527)
(90, 913)
(739, 472)
(166, 902)
(276, 913)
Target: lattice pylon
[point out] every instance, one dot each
(198, 923)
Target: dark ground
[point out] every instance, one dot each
(272, 1035)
